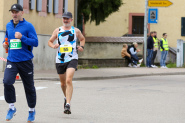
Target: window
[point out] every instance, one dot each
(58, 7)
(43, 11)
(137, 24)
(183, 26)
(25, 5)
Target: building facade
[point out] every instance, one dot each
(129, 20)
(46, 16)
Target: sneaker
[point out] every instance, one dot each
(138, 65)
(162, 67)
(129, 65)
(31, 116)
(141, 60)
(10, 114)
(67, 109)
(135, 66)
(64, 102)
(165, 67)
(153, 66)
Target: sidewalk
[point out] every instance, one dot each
(107, 73)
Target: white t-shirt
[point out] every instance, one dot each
(68, 42)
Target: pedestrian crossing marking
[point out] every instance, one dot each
(40, 88)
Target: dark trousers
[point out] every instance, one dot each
(25, 70)
(149, 57)
(130, 60)
(135, 58)
(154, 56)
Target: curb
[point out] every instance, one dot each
(115, 77)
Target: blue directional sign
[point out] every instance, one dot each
(152, 15)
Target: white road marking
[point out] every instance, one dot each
(2, 98)
(40, 88)
(59, 82)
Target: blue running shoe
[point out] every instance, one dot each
(10, 114)
(31, 116)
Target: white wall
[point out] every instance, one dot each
(44, 56)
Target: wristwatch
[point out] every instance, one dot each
(82, 47)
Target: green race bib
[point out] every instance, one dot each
(15, 44)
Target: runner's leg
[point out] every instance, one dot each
(69, 90)
(63, 82)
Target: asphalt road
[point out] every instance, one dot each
(153, 99)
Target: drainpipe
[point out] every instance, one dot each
(76, 12)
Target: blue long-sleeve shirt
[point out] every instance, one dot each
(29, 39)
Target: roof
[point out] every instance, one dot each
(115, 39)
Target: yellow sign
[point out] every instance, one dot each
(159, 3)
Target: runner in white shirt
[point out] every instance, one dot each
(67, 56)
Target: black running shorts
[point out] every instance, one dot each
(62, 67)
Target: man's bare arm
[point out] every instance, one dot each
(52, 39)
(81, 39)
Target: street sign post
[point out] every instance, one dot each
(145, 30)
(152, 15)
(159, 3)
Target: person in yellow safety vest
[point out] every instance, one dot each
(156, 47)
(164, 50)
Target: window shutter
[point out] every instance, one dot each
(20, 2)
(55, 7)
(39, 5)
(49, 6)
(32, 4)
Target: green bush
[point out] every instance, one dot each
(171, 65)
(95, 67)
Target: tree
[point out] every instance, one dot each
(96, 10)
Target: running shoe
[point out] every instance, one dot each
(10, 114)
(135, 66)
(31, 116)
(67, 109)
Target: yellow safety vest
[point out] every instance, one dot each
(155, 42)
(165, 44)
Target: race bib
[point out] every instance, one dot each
(65, 48)
(15, 44)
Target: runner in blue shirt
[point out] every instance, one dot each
(22, 38)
